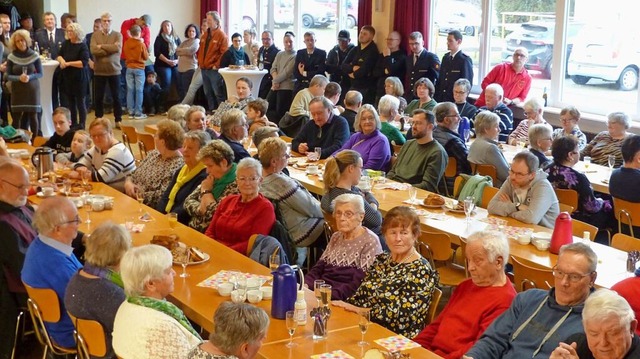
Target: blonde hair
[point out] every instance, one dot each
(334, 166)
(107, 244)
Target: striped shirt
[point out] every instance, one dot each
(109, 167)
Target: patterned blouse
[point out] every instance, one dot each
(399, 295)
(198, 221)
(154, 175)
(227, 106)
(582, 138)
(567, 178)
(197, 353)
(601, 147)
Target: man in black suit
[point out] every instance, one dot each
(420, 63)
(309, 62)
(455, 65)
(266, 55)
(50, 39)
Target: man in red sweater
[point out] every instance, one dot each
(213, 44)
(512, 76)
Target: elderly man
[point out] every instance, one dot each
(446, 133)
(352, 102)
(538, 320)
(609, 324)
(422, 160)
(455, 65)
(326, 130)
(299, 111)
(213, 44)
(512, 76)
(493, 96)
(527, 196)
(459, 325)
(50, 40)
(50, 262)
(420, 63)
(233, 127)
(360, 62)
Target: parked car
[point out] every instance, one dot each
(316, 15)
(537, 37)
(457, 15)
(352, 10)
(607, 54)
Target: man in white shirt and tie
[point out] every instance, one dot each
(455, 65)
(420, 63)
(50, 39)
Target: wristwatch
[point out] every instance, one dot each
(204, 191)
(518, 206)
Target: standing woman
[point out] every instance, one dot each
(166, 65)
(23, 70)
(282, 74)
(74, 82)
(187, 58)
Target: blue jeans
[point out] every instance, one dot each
(135, 85)
(214, 88)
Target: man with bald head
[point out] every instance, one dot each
(392, 62)
(50, 262)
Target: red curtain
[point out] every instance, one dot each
(365, 8)
(208, 5)
(410, 16)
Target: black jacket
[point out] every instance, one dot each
(452, 69)
(366, 58)
(427, 66)
(314, 64)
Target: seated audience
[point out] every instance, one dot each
(177, 112)
(352, 102)
(485, 150)
(446, 133)
(235, 53)
(538, 319)
(257, 115)
(388, 109)
(393, 86)
(185, 180)
(350, 252)
(201, 204)
(527, 196)
(332, 92)
(63, 135)
(629, 289)
(238, 332)
(99, 281)
(79, 146)
(300, 112)
(461, 90)
(368, 141)
(262, 134)
(609, 325)
(239, 101)
(512, 76)
(326, 130)
(569, 117)
(422, 160)
(460, 325)
(398, 286)
(233, 130)
(341, 175)
(627, 177)
(155, 171)
(195, 118)
(146, 324)
(50, 262)
(608, 142)
(424, 90)
(533, 110)
(495, 104)
(540, 143)
(239, 216)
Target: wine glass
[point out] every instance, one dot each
(469, 206)
(413, 192)
(274, 261)
(87, 206)
(86, 176)
(140, 197)
(363, 324)
(185, 261)
(316, 288)
(291, 327)
(173, 220)
(612, 161)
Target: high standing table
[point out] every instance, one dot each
(46, 124)
(231, 76)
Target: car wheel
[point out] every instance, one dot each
(580, 80)
(307, 21)
(469, 30)
(351, 22)
(628, 79)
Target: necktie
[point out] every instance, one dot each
(415, 59)
(51, 37)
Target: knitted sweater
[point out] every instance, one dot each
(109, 167)
(374, 149)
(421, 165)
(372, 217)
(106, 57)
(283, 65)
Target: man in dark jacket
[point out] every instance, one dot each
(266, 55)
(391, 62)
(455, 65)
(359, 65)
(447, 120)
(310, 61)
(421, 63)
(335, 59)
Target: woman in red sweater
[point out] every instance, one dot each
(241, 215)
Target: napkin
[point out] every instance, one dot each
(394, 186)
(336, 354)
(396, 343)
(225, 276)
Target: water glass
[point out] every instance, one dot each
(612, 161)
(469, 206)
(87, 205)
(274, 261)
(587, 162)
(318, 152)
(413, 193)
(240, 62)
(325, 294)
(316, 288)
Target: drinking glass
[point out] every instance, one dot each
(466, 133)
(185, 261)
(274, 261)
(413, 192)
(66, 187)
(140, 197)
(363, 324)
(25, 69)
(318, 152)
(173, 220)
(612, 161)
(86, 176)
(240, 62)
(316, 288)
(325, 294)
(291, 327)
(587, 162)
(469, 205)
(87, 205)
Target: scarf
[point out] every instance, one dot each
(171, 41)
(184, 176)
(237, 55)
(104, 273)
(23, 58)
(220, 184)
(167, 308)
(26, 233)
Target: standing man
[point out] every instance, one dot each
(309, 62)
(512, 76)
(392, 62)
(6, 27)
(360, 62)
(50, 39)
(266, 56)
(26, 23)
(421, 63)
(106, 46)
(335, 59)
(213, 44)
(455, 65)
(144, 22)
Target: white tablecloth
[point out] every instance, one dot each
(231, 76)
(48, 67)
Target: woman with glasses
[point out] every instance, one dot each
(540, 143)
(424, 90)
(368, 141)
(569, 117)
(485, 150)
(74, 80)
(533, 109)
(461, 89)
(239, 216)
(609, 143)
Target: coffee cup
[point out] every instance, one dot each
(253, 284)
(238, 296)
(97, 205)
(254, 296)
(267, 292)
(47, 191)
(225, 289)
(312, 169)
(524, 238)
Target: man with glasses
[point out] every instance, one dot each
(266, 55)
(539, 319)
(446, 133)
(512, 76)
(392, 62)
(455, 65)
(420, 63)
(233, 128)
(527, 195)
(50, 262)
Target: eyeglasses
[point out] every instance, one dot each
(518, 174)
(346, 214)
(76, 221)
(19, 188)
(573, 277)
(459, 92)
(247, 179)
(457, 115)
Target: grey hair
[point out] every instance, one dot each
(442, 110)
(398, 88)
(236, 324)
(529, 159)
(572, 111)
(538, 131)
(352, 98)
(198, 136)
(619, 117)
(349, 198)
(318, 80)
(231, 118)
(494, 243)
(604, 304)
(369, 108)
(388, 103)
(250, 163)
(107, 244)
(485, 120)
(142, 264)
(106, 15)
(534, 104)
(583, 249)
(50, 214)
(496, 88)
(177, 113)
(463, 82)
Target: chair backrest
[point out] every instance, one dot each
(568, 197)
(129, 135)
(625, 243)
(624, 211)
(39, 141)
(565, 208)
(433, 307)
(580, 227)
(452, 167)
(147, 139)
(457, 186)
(487, 194)
(92, 340)
(435, 246)
(485, 170)
(527, 276)
(329, 224)
(286, 139)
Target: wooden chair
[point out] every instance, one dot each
(527, 276)
(433, 307)
(485, 170)
(623, 211)
(129, 135)
(145, 143)
(580, 227)
(91, 338)
(625, 243)
(568, 197)
(449, 172)
(436, 247)
(329, 224)
(487, 194)
(565, 208)
(39, 141)
(457, 186)
(44, 307)
(286, 139)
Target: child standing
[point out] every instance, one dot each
(135, 55)
(152, 93)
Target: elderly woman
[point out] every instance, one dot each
(368, 141)
(177, 112)
(341, 175)
(146, 324)
(239, 216)
(424, 90)
(459, 324)
(608, 142)
(109, 161)
(233, 128)
(185, 180)
(394, 87)
(238, 332)
(540, 143)
(249, 38)
(196, 119)
(282, 73)
(533, 109)
(74, 78)
(239, 101)
(99, 281)
(201, 204)
(24, 70)
(300, 212)
(591, 209)
(155, 171)
(461, 89)
(398, 286)
(350, 252)
(485, 150)
(166, 65)
(388, 109)
(569, 117)
(187, 58)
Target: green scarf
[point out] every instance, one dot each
(167, 308)
(220, 184)
(184, 176)
(105, 273)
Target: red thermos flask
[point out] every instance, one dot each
(562, 232)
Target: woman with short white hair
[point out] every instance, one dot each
(389, 109)
(609, 142)
(146, 324)
(485, 150)
(540, 140)
(372, 145)
(533, 110)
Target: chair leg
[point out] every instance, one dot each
(15, 339)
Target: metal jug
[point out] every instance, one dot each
(562, 232)
(285, 290)
(42, 160)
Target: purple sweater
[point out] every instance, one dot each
(374, 149)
